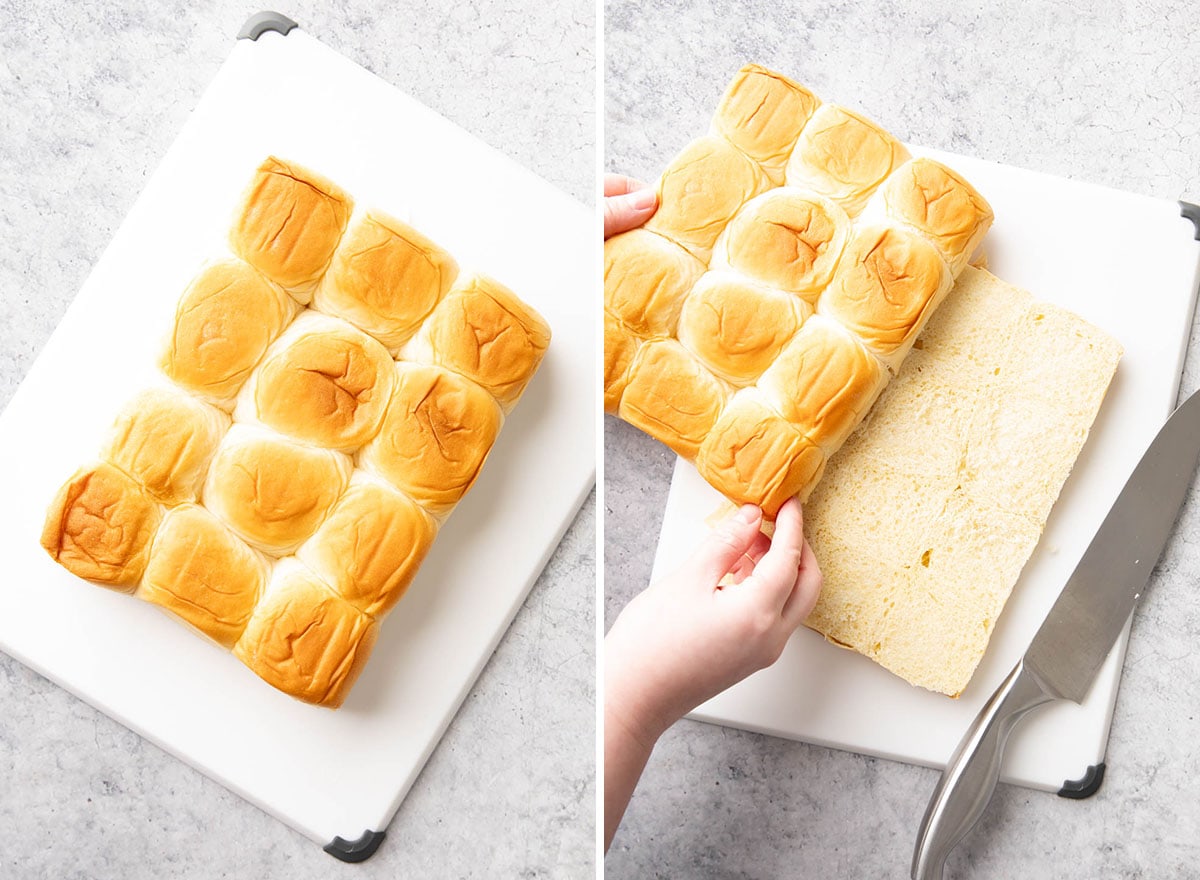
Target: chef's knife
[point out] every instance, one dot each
(1076, 636)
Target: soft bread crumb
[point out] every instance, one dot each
(925, 518)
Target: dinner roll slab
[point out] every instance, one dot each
(701, 190)
(887, 285)
(203, 573)
(272, 491)
(305, 640)
(844, 156)
(811, 288)
(940, 205)
(99, 526)
(278, 491)
(484, 332)
(370, 546)
(671, 396)
(289, 224)
(646, 279)
(385, 278)
(788, 238)
(224, 322)
(762, 113)
(324, 382)
(165, 440)
(753, 455)
(737, 327)
(824, 382)
(435, 436)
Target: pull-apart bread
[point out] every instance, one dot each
(797, 252)
(331, 391)
(777, 324)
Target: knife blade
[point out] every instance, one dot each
(1066, 653)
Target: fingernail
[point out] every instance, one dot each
(748, 514)
(642, 199)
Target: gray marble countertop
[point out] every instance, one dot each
(91, 97)
(1102, 92)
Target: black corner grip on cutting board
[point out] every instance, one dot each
(356, 850)
(1078, 789)
(1192, 212)
(261, 22)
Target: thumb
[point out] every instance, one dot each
(624, 212)
(726, 544)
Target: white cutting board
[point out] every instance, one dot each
(325, 773)
(1128, 264)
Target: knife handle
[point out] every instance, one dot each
(970, 777)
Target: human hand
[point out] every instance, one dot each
(688, 637)
(628, 203)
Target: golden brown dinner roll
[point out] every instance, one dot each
(736, 327)
(843, 156)
(646, 278)
(99, 526)
(620, 346)
(823, 382)
(483, 331)
(202, 572)
(370, 545)
(436, 434)
(272, 491)
(755, 456)
(941, 206)
(887, 285)
(289, 224)
(671, 396)
(788, 238)
(224, 322)
(385, 278)
(165, 440)
(762, 113)
(701, 190)
(324, 382)
(305, 640)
